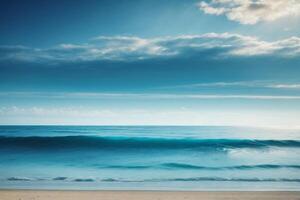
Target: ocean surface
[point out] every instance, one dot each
(149, 157)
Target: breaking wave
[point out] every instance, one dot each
(98, 142)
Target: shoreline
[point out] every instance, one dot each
(12, 194)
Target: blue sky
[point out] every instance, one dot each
(150, 62)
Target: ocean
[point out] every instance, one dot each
(149, 158)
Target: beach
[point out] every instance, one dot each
(143, 195)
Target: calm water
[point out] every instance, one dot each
(141, 157)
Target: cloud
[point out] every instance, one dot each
(142, 96)
(126, 49)
(87, 116)
(256, 84)
(223, 84)
(251, 11)
(285, 86)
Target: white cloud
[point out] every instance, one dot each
(121, 48)
(143, 96)
(285, 86)
(251, 11)
(225, 84)
(88, 116)
(257, 84)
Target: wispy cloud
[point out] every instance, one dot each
(256, 84)
(251, 11)
(223, 84)
(177, 116)
(125, 48)
(285, 86)
(142, 96)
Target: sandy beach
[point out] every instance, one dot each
(143, 195)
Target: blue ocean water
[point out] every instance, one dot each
(149, 157)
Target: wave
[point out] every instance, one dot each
(193, 179)
(19, 179)
(197, 167)
(113, 142)
(84, 180)
(60, 178)
(238, 167)
(230, 179)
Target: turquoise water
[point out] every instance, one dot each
(149, 157)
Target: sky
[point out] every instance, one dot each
(158, 62)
